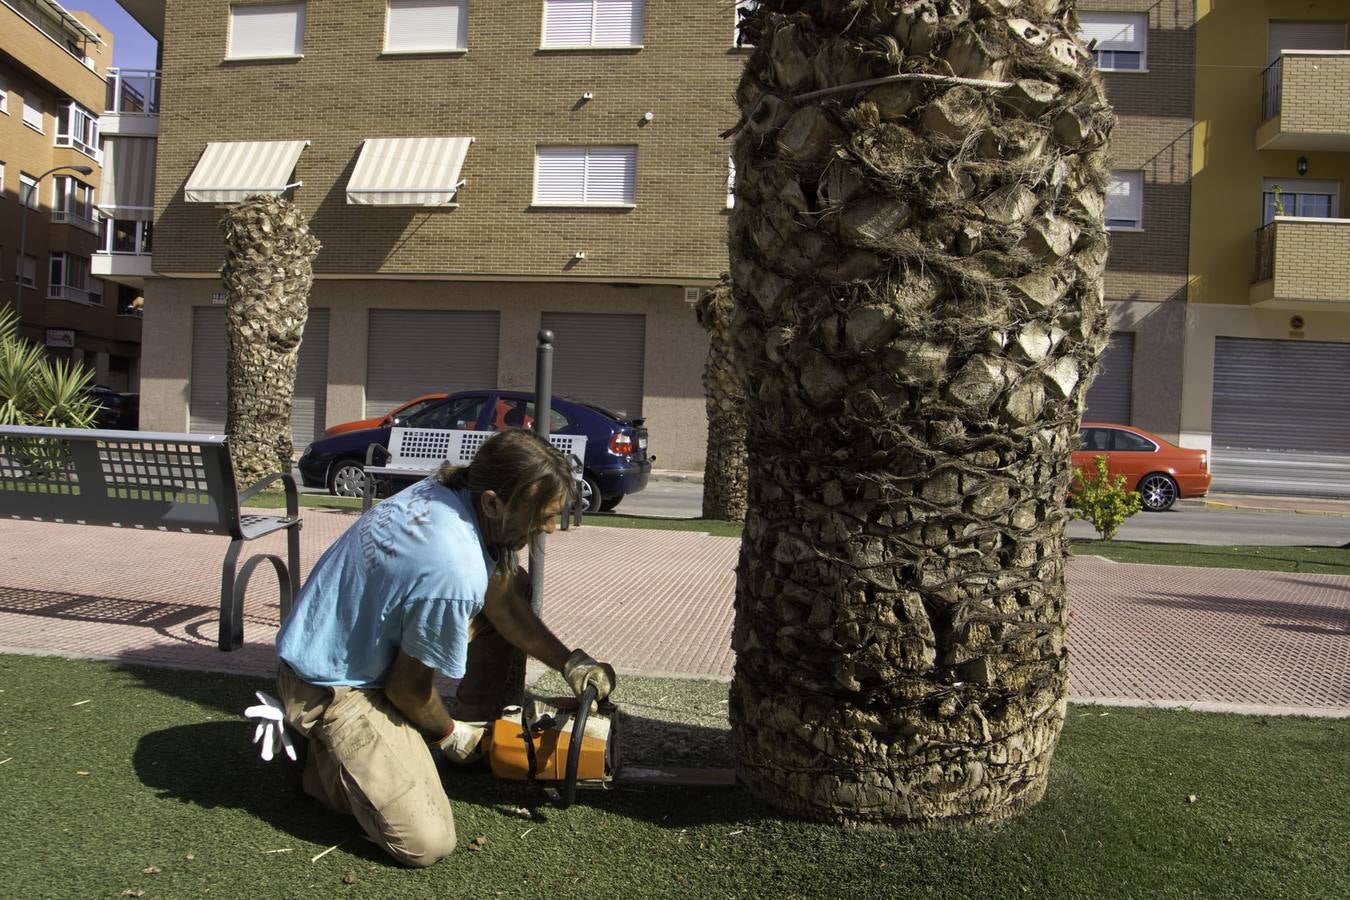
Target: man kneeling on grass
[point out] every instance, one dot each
(427, 581)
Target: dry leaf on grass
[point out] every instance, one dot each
(150, 870)
(478, 843)
(1191, 798)
(349, 878)
(133, 892)
(82, 774)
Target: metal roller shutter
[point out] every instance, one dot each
(1281, 395)
(1110, 397)
(311, 381)
(599, 358)
(411, 352)
(207, 397)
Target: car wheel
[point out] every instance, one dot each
(1157, 491)
(608, 503)
(347, 479)
(590, 495)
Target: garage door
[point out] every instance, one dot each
(1109, 397)
(414, 352)
(599, 358)
(1281, 416)
(207, 394)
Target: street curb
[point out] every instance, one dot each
(1219, 504)
(673, 475)
(1205, 706)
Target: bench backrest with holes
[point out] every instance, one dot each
(420, 451)
(140, 480)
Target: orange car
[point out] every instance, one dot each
(386, 420)
(1159, 471)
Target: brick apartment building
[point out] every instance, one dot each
(53, 65)
(577, 147)
(589, 195)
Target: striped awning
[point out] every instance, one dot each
(229, 171)
(408, 171)
(127, 190)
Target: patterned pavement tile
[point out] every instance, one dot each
(661, 602)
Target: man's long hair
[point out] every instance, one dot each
(521, 468)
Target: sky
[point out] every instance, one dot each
(133, 47)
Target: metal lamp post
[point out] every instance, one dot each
(23, 231)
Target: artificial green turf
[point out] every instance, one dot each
(1324, 560)
(174, 784)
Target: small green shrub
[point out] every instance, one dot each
(35, 390)
(1101, 499)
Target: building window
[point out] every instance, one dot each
(32, 113)
(266, 32)
(2, 179)
(1304, 199)
(69, 280)
(1122, 39)
(125, 236)
(72, 201)
(28, 267)
(1125, 201)
(426, 26)
(731, 183)
(4, 95)
(585, 176)
(28, 195)
(592, 23)
(77, 127)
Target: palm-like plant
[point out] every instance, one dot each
(35, 390)
(268, 271)
(724, 393)
(917, 250)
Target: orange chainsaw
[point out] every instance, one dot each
(556, 740)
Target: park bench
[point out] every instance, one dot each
(417, 452)
(142, 481)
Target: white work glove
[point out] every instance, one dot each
(271, 729)
(581, 672)
(463, 745)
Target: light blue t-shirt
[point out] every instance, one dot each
(409, 574)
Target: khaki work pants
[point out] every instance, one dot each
(366, 760)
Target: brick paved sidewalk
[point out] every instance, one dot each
(661, 602)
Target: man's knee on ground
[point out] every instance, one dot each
(424, 847)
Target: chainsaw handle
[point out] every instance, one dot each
(584, 702)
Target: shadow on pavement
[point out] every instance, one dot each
(1286, 613)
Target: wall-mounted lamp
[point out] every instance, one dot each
(647, 117)
(580, 254)
(1301, 166)
(588, 96)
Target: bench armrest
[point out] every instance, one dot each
(292, 495)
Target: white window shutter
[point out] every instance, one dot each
(560, 175)
(1304, 36)
(568, 23)
(267, 31)
(1124, 197)
(611, 174)
(618, 23)
(1115, 31)
(426, 25)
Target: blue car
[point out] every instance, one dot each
(616, 463)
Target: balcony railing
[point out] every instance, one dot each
(1265, 252)
(39, 16)
(1272, 80)
(78, 295)
(83, 218)
(133, 92)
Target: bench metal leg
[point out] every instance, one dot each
(232, 588)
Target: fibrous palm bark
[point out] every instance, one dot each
(269, 256)
(918, 277)
(724, 473)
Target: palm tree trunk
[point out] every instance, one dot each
(918, 281)
(269, 255)
(724, 474)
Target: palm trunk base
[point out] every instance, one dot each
(938, 777)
